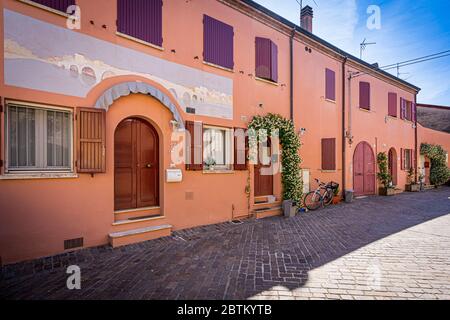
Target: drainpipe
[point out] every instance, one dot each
(291, 86)
(416, 142)
(344, 142)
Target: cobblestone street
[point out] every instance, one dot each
(375, 248)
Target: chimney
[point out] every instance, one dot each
(306, 20)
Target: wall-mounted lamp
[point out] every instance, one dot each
(302, 131)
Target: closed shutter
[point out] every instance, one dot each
(402, 108)
(218, 42)
(330, 85)
(240, 149)
(1, 132)
(329, 154)
(402, 159)
(194, 146)
(141, 19)
(60, 5)
(274, 62)
(392, 104)
(91, 140)
(364, 95)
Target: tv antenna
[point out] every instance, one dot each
(363, 45)
(300, 3)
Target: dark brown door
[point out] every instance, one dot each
(263, 177)
(393, 165)
(136, 165)
(364, 170)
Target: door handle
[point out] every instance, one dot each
(149, 165)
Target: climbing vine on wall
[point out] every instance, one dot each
(276, 125)
(439, 172)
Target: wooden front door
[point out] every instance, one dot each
(364, 170)
(136, 165)
(263, 180)
(393, 165)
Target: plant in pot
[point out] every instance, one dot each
(336, 196)
(412, 186)
(384, 176)
(421, 180)
(210, 163)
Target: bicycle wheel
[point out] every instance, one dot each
(328, 197)
(313, 200)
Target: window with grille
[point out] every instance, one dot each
(38, 139)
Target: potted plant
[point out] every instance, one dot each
(210, 163)
(421, 180)
(384, 176)
(412, 186)
(337, 198)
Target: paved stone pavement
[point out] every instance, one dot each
(374, 248)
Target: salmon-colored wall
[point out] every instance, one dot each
(36, 216)
(427, 135)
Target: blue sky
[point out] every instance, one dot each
(409, 29)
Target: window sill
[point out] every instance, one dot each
(37, 176)
(218, 67)
(218, 171)
(328, 171)
(392, 117)
(331, 101)
(145, 43)
(365, 110)
(267, 81)
(40, 6)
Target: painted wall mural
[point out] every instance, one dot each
(45, 57)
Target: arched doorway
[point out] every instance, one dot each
(392, 157)
(136, 165)
(364, 170)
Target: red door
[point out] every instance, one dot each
(364, 170)
(136, 165)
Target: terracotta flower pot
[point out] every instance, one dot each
(337, 199)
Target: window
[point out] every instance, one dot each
(330, 85)
(392, 104)
(329, 154)
(408, 110)
(217, 148)
(266, 59)
(58, 5)
(407, 159)
(217, 42)
(38, 139)
(141, 19)
(364, 95)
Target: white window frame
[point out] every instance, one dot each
(70, 111)
(229, 148)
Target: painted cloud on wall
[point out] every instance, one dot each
(49, 58)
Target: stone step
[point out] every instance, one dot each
(137, 213)
(266, 205)
(118, 239)
(269, 212)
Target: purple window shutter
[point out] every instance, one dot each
(364, 95)
(402, 108)
(274, 62)
(218, 42)
(392, 104)
(330, 85)
(141, 19)
(60, 5)
(413, 112)
(329, 154)
(263, 58)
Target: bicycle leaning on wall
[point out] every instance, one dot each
(322, 196)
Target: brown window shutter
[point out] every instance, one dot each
(329, 154)
(392, 104)
(1, 132)
(91, 140)
(240, 149)
(402, 159)
(364, 95)
(330, 85)
(194, 146)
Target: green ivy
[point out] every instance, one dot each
(439, 172)
(290, 145)
(383, 172)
